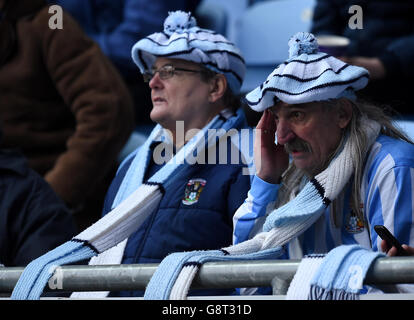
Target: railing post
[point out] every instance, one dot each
(280, 285)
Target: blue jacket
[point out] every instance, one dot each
(186, 218)
(33, 220)
(386, 199)
(116, 25)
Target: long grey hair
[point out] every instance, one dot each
(293, 177)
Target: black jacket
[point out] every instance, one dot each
(33, 220)
(387, 33)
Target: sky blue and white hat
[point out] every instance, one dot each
(183, 39)
(308, 75)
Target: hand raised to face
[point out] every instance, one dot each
(271, 160)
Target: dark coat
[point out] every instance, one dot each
(175, 226)
(188, 217)
(33, 220)
(61, 100)
(387, 33)
(117, 25)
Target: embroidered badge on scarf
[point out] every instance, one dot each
(353, 223)
(193, 190)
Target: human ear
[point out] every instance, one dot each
(218, 86)
(344, 113)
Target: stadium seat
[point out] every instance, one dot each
(263, 33)
(221, 16)
(213, 17)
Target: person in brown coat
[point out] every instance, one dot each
(62, 103)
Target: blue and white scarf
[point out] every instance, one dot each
(338, 275)
(134, 202)
(282, 225)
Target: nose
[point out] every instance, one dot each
(155, 82)
(284, 132)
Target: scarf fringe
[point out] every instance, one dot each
(318, 293)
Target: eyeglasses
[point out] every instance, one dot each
(166, 72)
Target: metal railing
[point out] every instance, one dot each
(275, 273)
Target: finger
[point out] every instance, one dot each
(270, 121)
(282, 157)
(409, 249)
(268, 136)
(281, 149)
(269, 125)
(384, 246)
(267, 121)
(266, 128)
(261, 123)
(392, 252)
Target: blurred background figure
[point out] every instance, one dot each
(62, 103)
(384, 45)
(116, 26)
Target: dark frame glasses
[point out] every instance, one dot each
(167, 72)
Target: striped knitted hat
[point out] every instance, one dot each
(183, 39)
(308, 75)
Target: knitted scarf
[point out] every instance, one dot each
(281, 225)
(338, 275)
(134, 202)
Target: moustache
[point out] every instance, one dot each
(297, 145)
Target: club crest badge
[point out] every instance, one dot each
(193, 190)
(353, 223)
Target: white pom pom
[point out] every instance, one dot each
(179, 22)
(302, 42)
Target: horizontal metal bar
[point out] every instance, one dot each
(211, 275)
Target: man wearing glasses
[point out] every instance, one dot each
(185, 91)
(194, 76)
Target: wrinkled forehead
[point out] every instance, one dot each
(281, 106)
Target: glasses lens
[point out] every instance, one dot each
(166, 72)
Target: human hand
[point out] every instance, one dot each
(271, 160)
(393, 251)
(373, 65)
